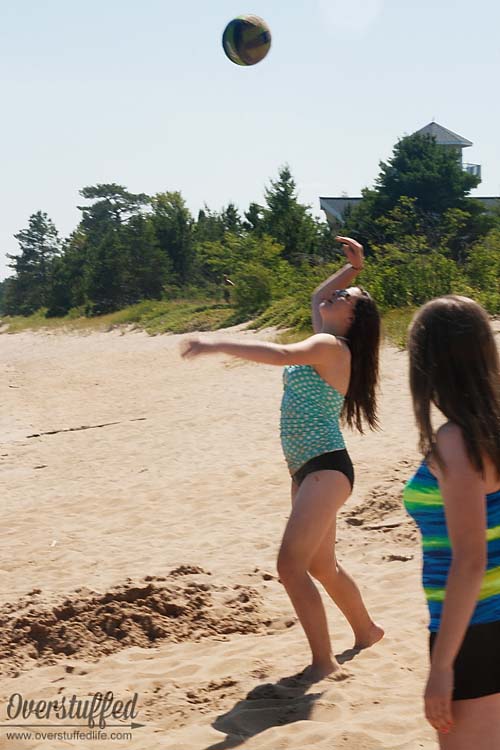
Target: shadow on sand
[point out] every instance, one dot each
(272, 704)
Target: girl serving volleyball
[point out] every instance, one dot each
(331, 374)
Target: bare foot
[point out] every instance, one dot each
(317, 672)
(375, 634)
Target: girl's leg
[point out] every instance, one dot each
(341, 588)
(344, 591)
(315, 506)
(476, 725)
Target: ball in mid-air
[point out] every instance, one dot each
(246, 40)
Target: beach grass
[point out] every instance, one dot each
(152, 316)
(395, 325)
(394, 329)
(182, 316)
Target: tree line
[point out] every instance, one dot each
(423, 235)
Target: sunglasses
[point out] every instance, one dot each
(338, 293)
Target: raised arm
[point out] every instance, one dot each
(340, 279)
(463, 492)
(314, 350)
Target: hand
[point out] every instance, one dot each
(438, 697)
(353, 251)
(193, 347)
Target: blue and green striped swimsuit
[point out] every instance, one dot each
(424, 502)
(310, 412)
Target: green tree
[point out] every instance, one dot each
(432, 177)
(214, 259)
(397, 277)
(231, 219)
(422, 169)
(287, 220)
(327, 247)
(209, 226)
(147, 267)
(483, 270)
(67, 286)
(173, 226)
(235, 253)
(252, 293)
(3, 286)
(105, 274)
(39, 245)
(254, 219)
(212, 226)
(108, 268)
(112, 206)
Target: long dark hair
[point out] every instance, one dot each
(454, 365)
(364, 341)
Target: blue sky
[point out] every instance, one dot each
(140, 93)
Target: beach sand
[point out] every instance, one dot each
(144, 498)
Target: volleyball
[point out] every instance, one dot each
(246, 40)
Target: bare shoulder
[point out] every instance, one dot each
(453, 451)
(450, 433)
(451, 444)
(335, 349)
(449, 438)
(335, 366)
(330, 340)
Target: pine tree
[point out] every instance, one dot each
(29, 288)
(108, 268)
(173, 226)
(287, 220)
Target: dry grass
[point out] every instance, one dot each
(181, 316)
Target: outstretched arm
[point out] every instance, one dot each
(340, 279)
(314, 350)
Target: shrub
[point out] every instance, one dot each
(252, 291)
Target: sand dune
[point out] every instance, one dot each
(144, 500)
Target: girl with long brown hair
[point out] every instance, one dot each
(455, 499)
(328, 375)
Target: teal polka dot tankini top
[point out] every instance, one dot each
(310, 412)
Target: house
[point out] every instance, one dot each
(335, 208)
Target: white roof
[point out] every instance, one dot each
(443, 136)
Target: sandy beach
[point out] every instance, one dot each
(144, 498)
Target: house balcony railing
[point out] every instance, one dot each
(473, 169)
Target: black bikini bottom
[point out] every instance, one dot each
(335, 461)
